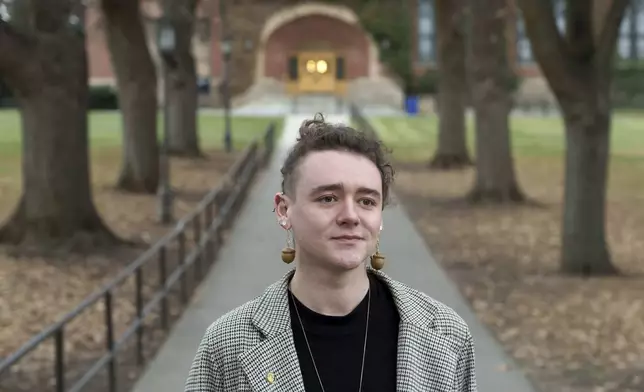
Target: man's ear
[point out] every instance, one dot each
(281, 204)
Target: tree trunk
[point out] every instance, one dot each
(452, 90)
(56, 206)
(182, 79)
(490, 74)
(495, 177)
(578, 68)
(584, 248)
(137, 88)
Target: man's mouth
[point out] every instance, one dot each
(347, 238)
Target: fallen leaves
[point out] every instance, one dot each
(35, 292)
(569, 334)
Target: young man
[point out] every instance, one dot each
(332, 324)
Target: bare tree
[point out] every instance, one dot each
(578, 68)
(182, 91)
(452, 90)
(490, 75)
(43, 60)
(137, 88)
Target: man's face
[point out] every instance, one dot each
(336, 214)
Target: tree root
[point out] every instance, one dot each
(127, 183)
(186, 153)
(450, 162)
(511, 195)
(52, 236)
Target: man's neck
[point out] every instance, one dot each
(329, 293)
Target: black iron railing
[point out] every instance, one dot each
(205, 225)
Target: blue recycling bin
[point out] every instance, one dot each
(411, 105)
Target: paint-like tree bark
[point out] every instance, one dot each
(578, 68)
(137, 89)
(451, 152)
(491, 97)
(44, 62)
(182, 81)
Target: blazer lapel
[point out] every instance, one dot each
(272, 364)
(423, 361)
(424, 357)
(407, 369)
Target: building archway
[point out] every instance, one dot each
(312, 26)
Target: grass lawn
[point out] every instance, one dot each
(105, 131)
(43, 289)
(106, 139)
(568, 334)
(413, 139)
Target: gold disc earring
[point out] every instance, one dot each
(288, 253)
(377, 259)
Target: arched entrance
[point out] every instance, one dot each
(315, 48)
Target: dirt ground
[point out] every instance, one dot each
(569, 334)
(35, 292)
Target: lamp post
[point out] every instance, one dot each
(226, 49)
(167, 45)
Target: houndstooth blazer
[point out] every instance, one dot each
(251, 348)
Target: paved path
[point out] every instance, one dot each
(282, 105)
(245, 268)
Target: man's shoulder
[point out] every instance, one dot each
(426, 310)
(233, 330)
(235, 319)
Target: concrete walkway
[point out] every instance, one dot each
(245, 268)
(282, 105)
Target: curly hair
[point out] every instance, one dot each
(318, 135)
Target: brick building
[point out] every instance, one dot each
(290, 46)
(630, 43)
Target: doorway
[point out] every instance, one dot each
(316, 72)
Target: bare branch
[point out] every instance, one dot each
(607, 41)
(579, 29)
(548, 46)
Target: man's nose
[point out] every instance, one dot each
(348, 214)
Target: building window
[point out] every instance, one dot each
(630, 44)
(4, 12)
(559, 8)
(426, 31)
(524, 49)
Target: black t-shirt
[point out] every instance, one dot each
(337, 344)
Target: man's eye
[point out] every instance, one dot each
(327, 199)
(368, 202)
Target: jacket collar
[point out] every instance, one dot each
(273, 365)
(272, 315)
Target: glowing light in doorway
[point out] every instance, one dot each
(320, 66)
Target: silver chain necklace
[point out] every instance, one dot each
(364, 348)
